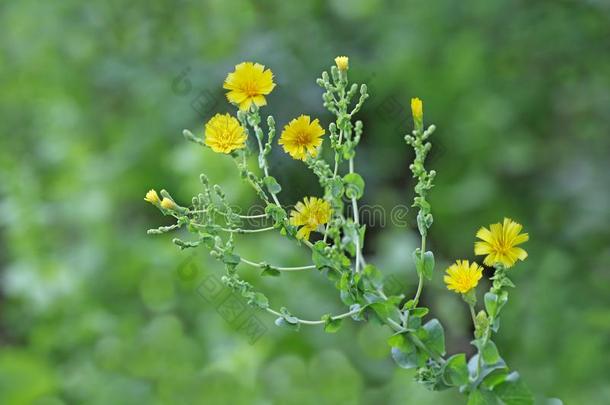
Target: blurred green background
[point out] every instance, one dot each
(94, 96)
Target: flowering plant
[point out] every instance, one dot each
(416, 341)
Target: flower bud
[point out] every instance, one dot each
(417, 109)
(152, 197)
(342, 62)
(168, 204)
(481, 324)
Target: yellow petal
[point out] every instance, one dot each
(484, 234)
(259, 100)
(482, 248)
(520, 253)
(304, 233)
(519, 239)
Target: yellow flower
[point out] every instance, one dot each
(248, 84)
(168, 204)
(417, 109)
(462, 276)
(224, 134)
(499, 243)
(342, 62)
(152, 197)
(301, 137)
(310, 214)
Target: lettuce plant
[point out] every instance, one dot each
(328, 225)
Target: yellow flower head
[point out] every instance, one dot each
(499, 243)
(301, 137)
(168, 204)
(417, 109)
(224, 134)
(152, 197)
(309, 214)
(462, 276)
(342, 62)
(248, 84)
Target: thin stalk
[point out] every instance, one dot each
(420, 283)
(334, 175)
(278, 268)
(473, 315)
(225, 214)
(320, 322)
(356, 221)
(239, 230)
(265, 168)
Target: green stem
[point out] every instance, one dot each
(420, 283)
(334, 174)
(239, 230)
(420, 286)
(473, 315)
(263, 160)
(356, 221)
(278, 268)
(320, 322)
(225, 214)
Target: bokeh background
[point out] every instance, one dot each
(95, 96)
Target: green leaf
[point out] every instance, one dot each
(335, 186)
(455, 370)
(419, 312)
(490, 353)
(409, 304)
(383, 310)
(318, 256)
(260, 300)
(231, 258)
(491, 304)
(358, 315)
(494, 302)
(411, 359)
(287, 320)
(272, 185)
(373, 275)
(434, 337)
(284, 323)
(207, 239)
(425, 265)
(269, 271)
(277, 213)
(354, 185)
(486, 369)
(494, 378)
(288, 316)
(514, 391)
(401, 342)
(331, 325)
(414, 323)
(482, 397)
